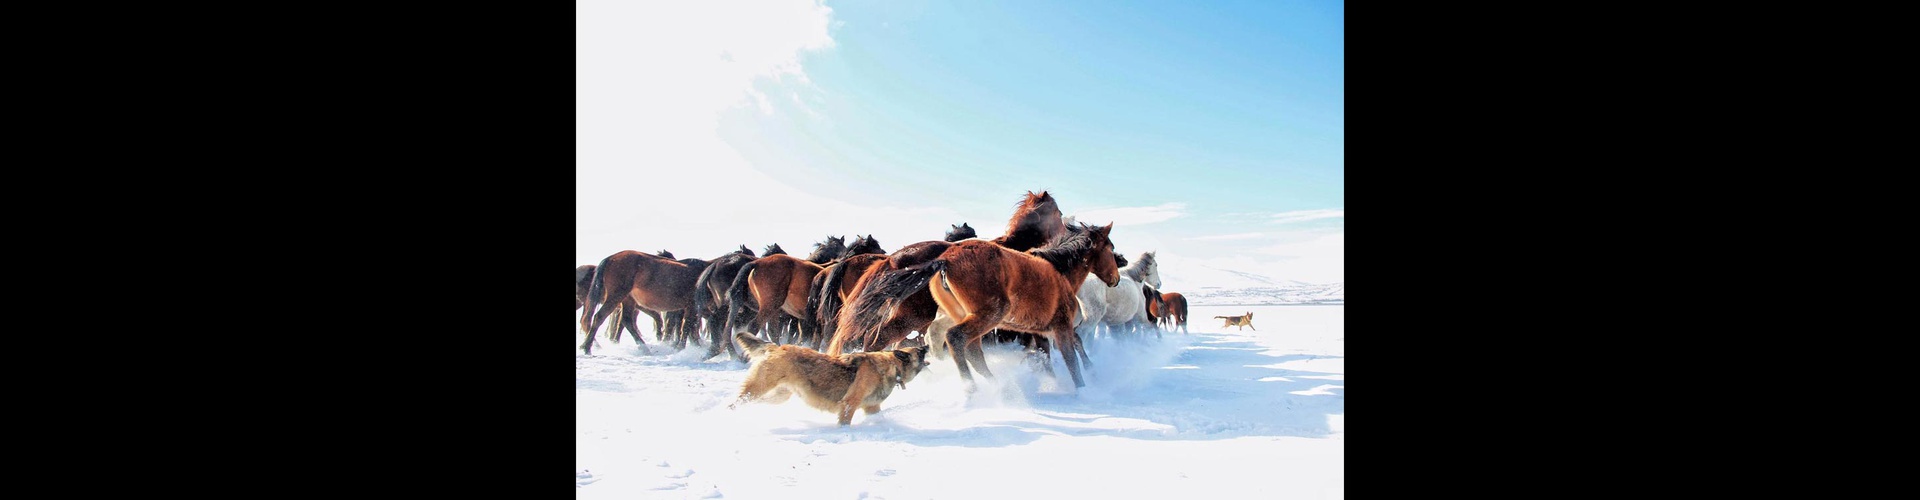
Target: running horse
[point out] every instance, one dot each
(1036, 219)
(1173, 311)
(656, 284)
(583, 281)
(831, 281)
(773, 289)
(985, 286)
(710, 297)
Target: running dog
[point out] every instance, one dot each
(1244, 322)
(838, 384)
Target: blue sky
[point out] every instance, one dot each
(1210, 132)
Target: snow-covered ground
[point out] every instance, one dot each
(1222, 413)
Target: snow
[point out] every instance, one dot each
(1220, 413)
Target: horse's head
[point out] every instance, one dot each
(862, 245)
(1103, 256)
(1119, 260)
(774, 249)
(1149, 269)
(664, 253)
(744, 251)
(826, 251)
(1036, 221)
(961, 232)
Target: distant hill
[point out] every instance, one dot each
(1205, 285)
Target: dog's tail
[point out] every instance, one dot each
(1226, 317)
(753, 346)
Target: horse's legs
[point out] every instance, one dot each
(977, 355)
(630, 321)
(593, 324)
(957, 341)
(1039, 353)
(1067, 341)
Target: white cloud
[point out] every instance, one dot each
(1307, 215)
(651, 82)
(1127, 216)
(1235, 236)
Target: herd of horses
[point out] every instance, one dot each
(1047, 283)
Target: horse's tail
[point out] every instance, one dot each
(617, 320)
(815, 289)
(704, 302)
(871, 309)
(827, 308)
(738, 301)
(595, 296)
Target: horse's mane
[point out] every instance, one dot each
(664, 253)
(774, 249)
(1137, 270)
(1067, 249)
(1024, 232)
(961, 232)
(826, 251)
(861, 245)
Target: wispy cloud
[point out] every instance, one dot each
(1236, 236)
(1127, 216)
(1307, 215)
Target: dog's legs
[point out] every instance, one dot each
(754, 388)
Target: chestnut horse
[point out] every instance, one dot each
(1036, 220)
(657, 284)
(844, 279)
(774, 288)
(583, 280)
(1153, 304)
(1173, 311)
(985, 286)
(831, 281)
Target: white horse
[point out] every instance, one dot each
(1120, 309)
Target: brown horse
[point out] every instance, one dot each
(583, 280)
(773, 289)
(710, 297)
(656, 284)
(985, 286)
(831, 281)
(1154, 305)
(1173, 311)
(1036, 220)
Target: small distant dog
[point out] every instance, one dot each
(838, 384)
(1244, 322)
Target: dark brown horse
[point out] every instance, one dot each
(656, 284)
(1036, 220)
(985, 286)
(1173, 311)
(583, 280)
(1153, 304)
(710, 297)
(773, 290)
(831, 281)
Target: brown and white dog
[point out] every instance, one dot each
(1244, 322)
(838, 384)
